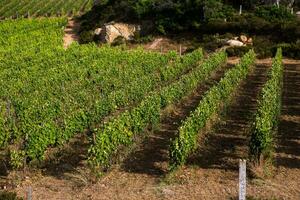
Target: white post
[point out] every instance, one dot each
(277, 3)
(241, 9)
(29, 194)
(242, 180)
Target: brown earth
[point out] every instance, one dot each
(71, 33)
(211, 173)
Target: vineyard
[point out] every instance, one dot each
(37, 8)
(138, 117)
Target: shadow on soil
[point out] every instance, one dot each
(69, 159)
(151, 156)
(227, 142)
(288, 151)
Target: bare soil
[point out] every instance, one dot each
(211, 173)
(71, 31)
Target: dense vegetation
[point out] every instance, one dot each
(49, 94)
(122, 129)
(208, 23)
(29, 8)
(186, 141)
(266, 121)
(177, 15)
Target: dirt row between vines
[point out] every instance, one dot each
(71, 32)
(212, 172)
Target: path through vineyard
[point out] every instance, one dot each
(212, 172)
(71, 32)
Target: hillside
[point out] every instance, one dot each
(167, 111)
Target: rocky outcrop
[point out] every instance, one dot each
(235, 43)
(240, 41)
(110, 31)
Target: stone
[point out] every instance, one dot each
(250, 41)
(243, 38)
(235, 43)
(111, 31)
(98, 31)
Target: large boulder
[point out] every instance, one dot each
(235, 43)
(110, 31)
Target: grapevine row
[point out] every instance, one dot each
(131, 90)
(186, 141)
(50, 96)
(18, 9)
(122, 129)
(269, 106)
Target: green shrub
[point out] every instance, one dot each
(119, 41)
(237, 51)
(291, 50)
(86, 36)
(4, 195)
(274, 13)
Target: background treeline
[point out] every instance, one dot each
(205, 19)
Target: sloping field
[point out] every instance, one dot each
(35, 8)
(115, 123)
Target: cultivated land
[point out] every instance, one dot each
(70, 115)
(34, 8)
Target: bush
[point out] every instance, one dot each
(290, 50)
(86, 36)
(4, 195)
(237, 51)
(274, 13)
(119, 41)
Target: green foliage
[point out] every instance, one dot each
(48, 94)
(274, 13)
(17, 8)
(186, 141)
(215, 9)
(237, 51)
(269, 106)
(291, 50)
(4, 195)
(167, 16)
(86, 36)
(17, 159)
(121, 130)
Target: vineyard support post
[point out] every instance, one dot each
(242, 179)
(180, 50)
(29, 193)
(241, 9)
